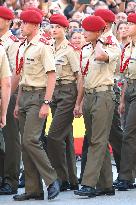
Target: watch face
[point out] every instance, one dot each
(46, 102)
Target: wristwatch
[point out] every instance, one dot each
(46, 102)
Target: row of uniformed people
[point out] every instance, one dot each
(127, 161)
(34, 58)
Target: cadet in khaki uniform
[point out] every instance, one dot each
(10, 131)
(128, 66)
(36, 63)
(116, 134)
(5, 86)
(98, 63)
(64, 98)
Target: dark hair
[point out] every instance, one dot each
(76, 21)
(73, 32)
(120, 23)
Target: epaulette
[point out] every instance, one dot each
(46, 36)
(75, 47)
(43, 40)
(14, 38)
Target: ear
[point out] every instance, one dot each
(8, 22)
(36, 26)
(98, 33)
(65, 30)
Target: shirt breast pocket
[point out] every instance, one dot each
(32, 64)
(132, 66)
(97, 66)
(60, 63)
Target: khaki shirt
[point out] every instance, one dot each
(100, 73)
(66, 61)
(130, 71)
(11, 45)
(38, 60)
(4, 64)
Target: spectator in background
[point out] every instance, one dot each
(63, 4)
(69, 8)
(121, 16)
(73, 24)
(12, 4)
(122, 33)
(101, 5)
(77, 39)
(15, 29)
(78, 16)
(131, 7)
(31, 3)
(1, 2)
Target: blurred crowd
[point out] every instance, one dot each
(75, 11)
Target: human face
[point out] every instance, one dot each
(57, 31)
(27, 29)
(131, 29)
(121, 17)
(72, 26)
(77, 16)
(76, 39)
(31, 3)
(90, 36)
(131, 7)
(101, 5)
(122, 30)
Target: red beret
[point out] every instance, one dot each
(105, 14)
(36, 9)
(93, 23)
(31, 16)
(132, 18)
(59, 19)
(6, 13)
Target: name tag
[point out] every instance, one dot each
(30, 59)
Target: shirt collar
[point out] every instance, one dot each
(63, 44)
(6, 35)
(34, 40)
(108, 33)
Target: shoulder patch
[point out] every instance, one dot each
(14, 38)
(46, 36)
(43, 40)
(75, 47)
(109, 41)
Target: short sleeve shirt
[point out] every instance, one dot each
(100, 73)
(38, 59)
(4, 64)
(66, 61)
(11, 45)
(130, 52)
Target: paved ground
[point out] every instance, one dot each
(68, 198)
